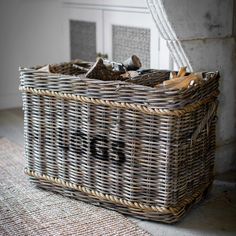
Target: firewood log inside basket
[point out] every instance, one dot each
(130, 71)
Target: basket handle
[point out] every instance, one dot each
(205, 121)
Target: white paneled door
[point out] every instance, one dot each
(119, 33)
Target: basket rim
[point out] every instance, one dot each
(124, 84)
(125, 105)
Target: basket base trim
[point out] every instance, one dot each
(124, 105)
(196, 197)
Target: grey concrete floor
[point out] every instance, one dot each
(216, 215)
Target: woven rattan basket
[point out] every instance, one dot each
(143, 151)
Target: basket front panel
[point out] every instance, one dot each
(135, 156)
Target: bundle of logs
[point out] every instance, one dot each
(130, 71)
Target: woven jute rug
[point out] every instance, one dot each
(26, 210)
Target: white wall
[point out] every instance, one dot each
(30, 34)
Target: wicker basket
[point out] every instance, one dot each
(140, 150)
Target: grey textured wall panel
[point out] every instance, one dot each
(127, 41)
(83, 40)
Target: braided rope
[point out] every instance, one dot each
(116, 200)
(205, 121)
(125, 105)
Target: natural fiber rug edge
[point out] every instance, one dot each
(26, 210)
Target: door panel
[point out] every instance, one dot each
(82, 40)
(128, 33)
(128, 40)
(83, 33)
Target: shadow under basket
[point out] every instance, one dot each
(140, 150)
